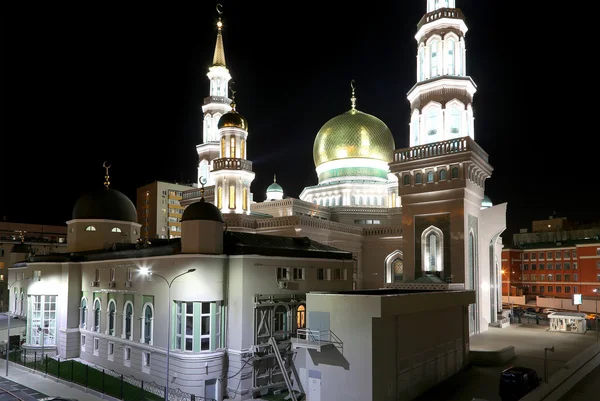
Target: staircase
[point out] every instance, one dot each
(284, 371)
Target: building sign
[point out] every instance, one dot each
(577, 299)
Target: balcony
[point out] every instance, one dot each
(315, 339)
(454, 13)
(452, 146)
(232, 164)
(217, 99)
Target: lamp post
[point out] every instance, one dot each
(8, 320)
(145, 271)
(596, 291)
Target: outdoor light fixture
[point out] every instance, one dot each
(144, 270)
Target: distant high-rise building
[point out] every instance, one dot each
(159, 210)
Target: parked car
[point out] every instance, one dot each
(530, 315)
(516, 381)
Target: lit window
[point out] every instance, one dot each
(220, 197)
(450, 44)
(434, 66)
(301, 317)
(42, 324)
(116, 230)
(90, 228)
(232, 147)
(245, 198)
(222, 147)
(232, 197)
(454, 117)
(242, 149)
(430, 176)
(431, 124)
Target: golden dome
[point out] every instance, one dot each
(233, 119)
(353, 134)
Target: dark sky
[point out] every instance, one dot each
(92, 82)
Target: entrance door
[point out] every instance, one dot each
(314, 385)
(210, 389)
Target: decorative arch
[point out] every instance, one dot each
(97, 310)
(301, 316)
(83, 313)
(128, 321)
(394, 267)
(432, 121)
(115, 230)
(455, 122)
(90, 228)
(451, 44)
(147, 332)
(432, 250)
(111, 317)
(434, 44)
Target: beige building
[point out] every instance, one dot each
(159, 209)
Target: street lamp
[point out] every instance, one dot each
(8, 319)
(145, 271)
(596, 291)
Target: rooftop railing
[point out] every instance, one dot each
(451, 146)
(454, 13)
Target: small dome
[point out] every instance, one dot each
(233, 119)
(486, 202)
(105, 204)
(353, 134)
(20, 248)
(275, 187)
(202, 210)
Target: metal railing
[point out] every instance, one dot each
(319, 337)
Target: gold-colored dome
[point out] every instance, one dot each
(351, 135)
(233, 119)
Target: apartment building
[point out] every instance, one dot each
(159, 209)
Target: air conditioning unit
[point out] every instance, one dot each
(112, 284)
(282, 284)
(128, 284)
(94, 283)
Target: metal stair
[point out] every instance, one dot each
(284, 371)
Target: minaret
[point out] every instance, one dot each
(441, 100)
(214, 106)
(232, 172)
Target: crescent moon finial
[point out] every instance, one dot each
(219, 8)
(353, 98)
(106, 177)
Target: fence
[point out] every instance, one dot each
(104, 381)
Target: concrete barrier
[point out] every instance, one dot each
(491, 358)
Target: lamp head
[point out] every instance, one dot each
(191, 270)
(144, 271)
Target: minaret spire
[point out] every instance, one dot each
(219, 57)
(353, 98)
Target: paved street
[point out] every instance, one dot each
(529, 342)
(17, 389)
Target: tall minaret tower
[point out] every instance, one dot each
(447, 235)
(215, 105)
(441, 99)
(232, 172)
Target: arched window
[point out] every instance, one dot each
(406, 179)
(442, 174)
(430, 176)
(127, 321)
(454, 172)
(433, 46)
(418, 178)
(115, 230)
(301, 317)
(394, 267)
(204, 169)
(432, 249)
(431, 124)
(83, 313)
(450, 46)
(97, 309)
(421, 63)
(90, 228)
(147, 324)
(111, 315)
(232, 197)
(454, 117)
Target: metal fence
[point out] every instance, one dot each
(97, 378)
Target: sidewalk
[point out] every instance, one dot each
(47, 385)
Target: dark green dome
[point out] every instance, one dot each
(202, 210)
(105, 204)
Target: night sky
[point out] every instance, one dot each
(93, 82)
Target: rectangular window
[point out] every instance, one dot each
(567, 255)
(598, 277)
(533, 277)
(525, 256)
(205, 326)
(189, 326)
(542, 288)
(558, 255)
(245, 198)
(597, 251)
(525, 277)
(567, 266)
(549, 266)
(298, 273)
(533, 256)
(548, 255)
(197, 324)
(83, 343)
(558, 277)
(232, 197)
(112, 274)
(558, 266)
(575, 289)
(283, 273)
(222, 147)
(242, 149)
(533, 266)
(558, 290)
(96, 346)
(541, 256)
(42, 326)
(97, 275)
(567, 289)
(129, 274)
(575, 254)
(575, 277)
(232, 147)
(322, 274)
(574, 265)
(525, 267)
(220, 197)
(145, 361)
(541, 266)
(127, 356)
(533, 288)
(111, 351)
(567, 277)
(550, 288)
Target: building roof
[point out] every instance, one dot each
(105, 204)
(202, 210)
(239, 243)
(557, 244)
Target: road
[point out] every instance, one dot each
(11, 391)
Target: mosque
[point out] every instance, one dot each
(415, 216)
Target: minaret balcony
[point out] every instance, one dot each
(217, 99)
(454, 13)
(228, 163)
(443, 148)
